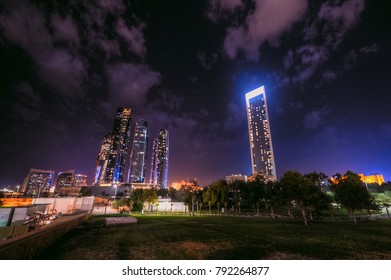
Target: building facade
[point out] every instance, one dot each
(159, 166)
(102, 160)
(235, 177)
(119, 147)
(153, 175)
(38, 182)
(65, 179)
(261, 148)
(138, 157)
(80, 180)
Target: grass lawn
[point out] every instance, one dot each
(182, 237)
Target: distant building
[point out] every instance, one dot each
(159, 166)
(103, 159)
(65, 179)
(236, 177)
(80, 180)
(261, 148)
(119, 147)
(38, 182)
(372, 179)
(368, 179)
(138, 157)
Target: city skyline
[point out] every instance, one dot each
(186, 66)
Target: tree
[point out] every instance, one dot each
(236, 192)
(303, 193)
(122, 202)
(114, 205)
(319, 179)
(137, 198)
(256, 194)
(273, 196)
(149, 196)
(216, 194)
(383, 200)
(351, 193)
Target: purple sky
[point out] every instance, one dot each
(185, 66)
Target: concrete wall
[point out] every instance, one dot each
(29, 245)
(67, 205)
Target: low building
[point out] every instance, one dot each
(235, 177)
(372, 179)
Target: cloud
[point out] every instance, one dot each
(24, 25)
(219, 8)
(316, 118)
(206, 60)
(133, 36)
(322, 36)
(235, 119)
(65, 29)
(129, 83)
(269, 20)
(331, 137)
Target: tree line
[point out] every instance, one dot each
(309, 195)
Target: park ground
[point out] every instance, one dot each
(167, 237)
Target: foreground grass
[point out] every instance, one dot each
(173, 237)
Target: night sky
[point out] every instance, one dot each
(186, 65)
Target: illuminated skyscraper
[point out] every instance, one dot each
(153, 176)
(80, 180)
(102, 160)
(119, 147)
(159, 166)
(65, 179)
(261, 148)
(138, 158)
(38, 182)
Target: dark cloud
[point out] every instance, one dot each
(316, 118)
(236, 117)
(134, 37)
(65, 29)
(129, 83)
(207, 60)
(322, 36)
(219, 8)
(331, 138)
(268, 21)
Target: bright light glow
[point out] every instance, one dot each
(254, 93)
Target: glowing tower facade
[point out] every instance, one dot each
(159, 166)
(119, 147)
(102, 160)
(261, 148)
(138, 157)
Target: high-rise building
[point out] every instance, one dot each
(38, 182)
(119, 147)
(65, 179)
(161, 158)
(261, 148)
(102, 160)
(80, 180)
(138, 157)
(153, 176)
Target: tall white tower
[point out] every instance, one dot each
(261, 148)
